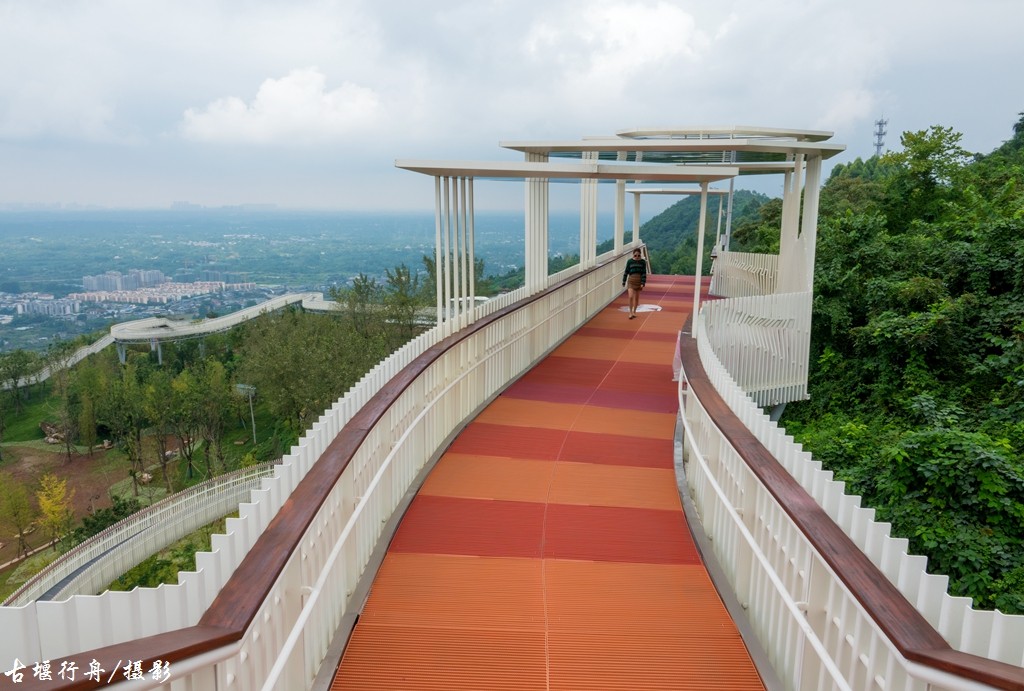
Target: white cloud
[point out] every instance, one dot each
(606, 44)
(296, 109)
(410, 79)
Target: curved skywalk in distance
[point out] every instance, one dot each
(156, 330)
(494, 504)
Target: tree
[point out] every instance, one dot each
(58, 361)
(87, 382)
(15, 369)
(361, 302)
(301, 363)
(3, 422)
(16, 509)
(917, 364)
(402, 300)
(186, 399)
(124, 415)
(159, 405)
(97, 521)
(56, 515)
(87, 423)
(923, 175)
(216, 406)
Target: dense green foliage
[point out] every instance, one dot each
(101, 519)
(671, 236)
(917, 379)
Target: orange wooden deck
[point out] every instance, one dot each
(548, 548)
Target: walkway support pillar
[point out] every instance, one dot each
(699, 269)
(588, 218)
(454, 257)
(536, 240)
(620, 210)
(791, 273)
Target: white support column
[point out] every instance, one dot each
(809, 220)
(790, 269)
(636, 220)
(454, 253)
(636, 208)
(699, 269)
(441, 265)
(620, 210)
(463, 287)
(718, 225)
(728, 213)
(588, 216)
(472, 252)
(536, 240)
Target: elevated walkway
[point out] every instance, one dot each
(548, 547)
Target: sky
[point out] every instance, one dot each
(308, 103)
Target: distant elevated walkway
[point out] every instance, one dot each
(155, 330)
(548, 547)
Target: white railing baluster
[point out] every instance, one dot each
(843, 633)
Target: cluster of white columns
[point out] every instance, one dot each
(454, 258)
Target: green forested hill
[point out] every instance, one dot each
(917, 365)
(671, 236)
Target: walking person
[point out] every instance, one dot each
(634, 278)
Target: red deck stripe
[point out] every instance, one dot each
(602, 533)
(450, 525)
(617, 449)
(489, 439)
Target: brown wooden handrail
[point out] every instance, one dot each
(234, 608)
(902, 623)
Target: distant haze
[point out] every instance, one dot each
(307, 104)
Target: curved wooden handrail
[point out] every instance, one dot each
(902, 623)
(234, 608)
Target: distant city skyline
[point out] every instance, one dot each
(144, 104)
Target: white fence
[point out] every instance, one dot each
(287, 640)
(743, 274)
(764, 343)
(815, 631)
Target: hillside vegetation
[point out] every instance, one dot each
(917, 365)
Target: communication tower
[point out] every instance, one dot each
(880, 132)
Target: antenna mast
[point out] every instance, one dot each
(880, 132)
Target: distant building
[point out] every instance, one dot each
(162, 294)
(49, 306)
(115, 281)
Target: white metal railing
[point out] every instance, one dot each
(736, 509)
(763, 342)
(744, 274)
(289, 636)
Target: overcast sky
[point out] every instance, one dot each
(307, 103)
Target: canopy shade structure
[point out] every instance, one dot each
(522, 170)
(733, 132)
(752, 150)
(649, 159)
(674, 190)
